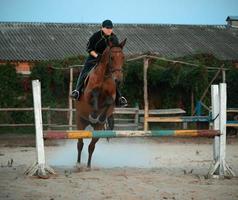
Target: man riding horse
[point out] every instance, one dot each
(97, 43)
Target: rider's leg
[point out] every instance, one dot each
(79, 85)
(89, 64)
(120, 100)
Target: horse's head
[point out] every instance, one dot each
(115, 60)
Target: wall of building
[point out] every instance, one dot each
(21, 67)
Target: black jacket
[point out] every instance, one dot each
(99, 41)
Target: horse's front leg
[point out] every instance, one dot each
(80, 148)
(92, 144)
(108, 103)
(91, 148)
(81, 125)
(94, 101)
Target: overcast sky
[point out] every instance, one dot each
(119, 11)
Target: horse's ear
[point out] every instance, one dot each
(122, 44)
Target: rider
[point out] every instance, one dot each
(97, 43)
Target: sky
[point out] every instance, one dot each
(119, 11)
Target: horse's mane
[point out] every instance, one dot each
(113, 41)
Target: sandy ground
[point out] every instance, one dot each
(127, 169)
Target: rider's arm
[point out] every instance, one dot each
(91, 44)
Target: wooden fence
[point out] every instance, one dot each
(125, 118)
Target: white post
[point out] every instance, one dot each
(224, 169)
(39, 167)
(215, 117)
(222, 128)
(220, 168)
(38, 122)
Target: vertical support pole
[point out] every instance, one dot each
(223, 105)
(146, 104)
(70, 100)
(185, 125)
(136, 121)
(49, 118)
(223, 75)
(38, 122)
(192, 102)
(215, 117)
(39, 167)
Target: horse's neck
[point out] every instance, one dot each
(102, 66)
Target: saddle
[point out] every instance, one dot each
(87, 77)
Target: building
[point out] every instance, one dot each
(24, 43)
(232, 21)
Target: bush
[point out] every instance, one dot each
(172, 84)
(10, 92)
(169, 84)
(232, 88)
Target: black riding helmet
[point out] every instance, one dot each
(107, 24)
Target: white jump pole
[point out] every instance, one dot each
(219, 105)
(40, 167)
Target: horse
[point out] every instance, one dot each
(97, 102)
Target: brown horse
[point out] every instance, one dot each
(98, 100)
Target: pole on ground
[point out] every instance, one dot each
(39, 168)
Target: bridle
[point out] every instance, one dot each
(110, 67)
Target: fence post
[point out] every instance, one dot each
(70, 99)
(49, 118)
(146, 103)
(137, 116)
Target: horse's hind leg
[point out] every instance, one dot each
(91, 148)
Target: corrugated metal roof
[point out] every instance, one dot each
(45, 41)
(232, 18)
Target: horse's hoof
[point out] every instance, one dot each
(92, 120)
(79, 165)
(102, 119)
(88, 169)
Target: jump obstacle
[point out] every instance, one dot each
(112, 134)
(219, 167)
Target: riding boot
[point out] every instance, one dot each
(78, 90)
(120, 100)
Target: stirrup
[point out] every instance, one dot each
(75, 94)
(122, 101)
